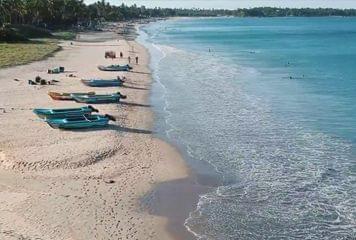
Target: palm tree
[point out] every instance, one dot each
(2, 14)
(5, 10)
(37, 10)
(17, 11)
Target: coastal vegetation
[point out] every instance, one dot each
(21, 21)
(24, 43)
(75, 13)
(22, 53)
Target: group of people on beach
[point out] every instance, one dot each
(129, 58)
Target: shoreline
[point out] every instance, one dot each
(81, 184)
(178, 198)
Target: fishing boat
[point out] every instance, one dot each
(98, 98)
(116, 67)
(66, 96)
(56, 70)
(50, 113)
(102, 82)
(84, 121)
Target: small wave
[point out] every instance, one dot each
(281, 178)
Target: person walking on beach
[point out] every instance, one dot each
(129, 58)
(136, 59)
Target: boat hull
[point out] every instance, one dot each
(93, 99)
(79, 122)
(66, 96)
(47, 113)
(115, 68)
(102, 83)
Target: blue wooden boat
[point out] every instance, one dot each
(50, 113)
(116, 67)
(102, 83)
(78, 122)
(98, 98)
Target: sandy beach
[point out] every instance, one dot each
(85, 184)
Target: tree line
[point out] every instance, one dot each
(54, 13)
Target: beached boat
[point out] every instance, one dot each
(116, 67)
(56, 70)
(50, 113)
(98, 98)
(76, 122)
(66, 96)
(102, 82)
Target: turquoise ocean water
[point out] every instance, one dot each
(270, 104)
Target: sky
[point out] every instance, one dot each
(233, 4)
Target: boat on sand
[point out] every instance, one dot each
(49, 113)
(98, 98)
(115, 67)
(78, 122)
(66, 96)
(102, 83)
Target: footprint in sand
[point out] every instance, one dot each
(2, 156)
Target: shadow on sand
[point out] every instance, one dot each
(130, 130)
(114, 127)
(137, 88)
(140, 72)
(135, 104)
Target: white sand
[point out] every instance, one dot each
(55, 184)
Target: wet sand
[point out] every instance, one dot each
(86, 184)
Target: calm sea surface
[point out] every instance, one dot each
(270, 104)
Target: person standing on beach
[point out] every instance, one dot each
(129, 58)
(136, 59)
